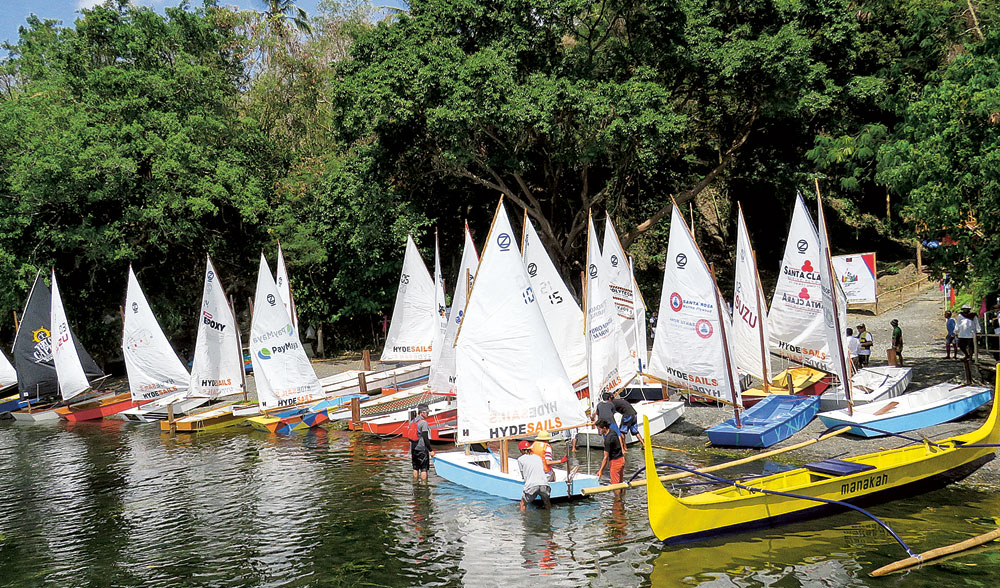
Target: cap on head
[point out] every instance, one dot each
(422, 408)
(524, 445)
(894, 322)
(861, 326)
(543, 436)
(966, 307)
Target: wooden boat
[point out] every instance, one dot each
(307, 417)
(660, 414)
(869, 385)
(511, 379)
(873, 476)
(482, 472)
(213, 419)
(806, 381)
(12, 403)
(922, 408)
(98, 408)
(771, 420)
(158, 409)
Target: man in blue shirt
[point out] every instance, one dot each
(951, 339)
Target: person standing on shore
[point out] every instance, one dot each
(853, 347)
(951, 339)
(897, 341)
(966, 329)
(865, 341)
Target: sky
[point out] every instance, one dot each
(13, 13)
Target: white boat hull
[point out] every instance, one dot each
(37, 416)
(481, 472)
(869, 385)
(661, 414)
(157, 410)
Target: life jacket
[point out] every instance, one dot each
(541, 448)
(411, 430)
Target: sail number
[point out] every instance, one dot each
(528, 295)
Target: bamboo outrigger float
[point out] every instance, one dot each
(794, 494)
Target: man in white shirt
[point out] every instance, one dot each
(853, 347)
(968, 326)
(536, 483)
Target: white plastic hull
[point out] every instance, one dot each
(481, 472)
(869, 385)
(661, 414)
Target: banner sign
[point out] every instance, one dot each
(857, 277)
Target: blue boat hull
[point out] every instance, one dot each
(15, 404)
(465, 470)
(915, 420)
(775, 418)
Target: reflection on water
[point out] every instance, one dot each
(120, 504)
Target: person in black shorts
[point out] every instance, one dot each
(420, 448)
(630, 420)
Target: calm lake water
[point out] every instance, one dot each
(118, 504)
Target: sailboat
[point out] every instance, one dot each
(511, 380)
(156, 376)
(776, 417)
(217, 369)
(613, 364)
(8, 383)
(285, 288)
(72, 376)
(442, 376)
(415, 316)
(563, 316)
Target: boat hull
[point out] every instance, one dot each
(157, 410)
(442, 425)
(806, 381)
(709, 513)
(36, 416)
(772, 420)
(869, 385)
(98, 408)
(13, 403)
(923, 408)
(481, 472)
(661, 414)
(210, 420)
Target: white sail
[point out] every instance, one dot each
(152, 366)
(689, 349)
(641, 337)
(278, 358)
(796, 315)
(440, 304)
(69, 370)
(834, 323)
(750, 335)
(562, 314)
(611, 365)
(442, 377)
(621, 282)
(414, 316)
(217, 368)
(285, 288)
(8, 375)
(511, 381)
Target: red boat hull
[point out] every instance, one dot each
(98, 409)
(442, 426)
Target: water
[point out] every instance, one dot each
(119, 504)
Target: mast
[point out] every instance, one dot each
(834, 311)
(239, 345)
(725, 350)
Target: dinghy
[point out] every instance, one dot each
(415, 318)
(869, 384)
(931, 406)
(774, 418)
(874, 476)
(660, 414)
(38, 383)
(442, 371)
(511, 380)
(10, 398)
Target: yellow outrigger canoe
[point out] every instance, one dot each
(730, 509)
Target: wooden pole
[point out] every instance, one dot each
(504, 453)
(920, 257)
(366, 360)
(362, 383)
(239, 343)
(170, 418)
(356, 411)
(936, 553)
(715, 468)
(16, 323)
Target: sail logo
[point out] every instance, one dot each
(458, 318)
(139, 339)
(42, 351)
(681, 260)
(614, 261)
(503, 240)
(802, 246)
(801, 300)
(806, 272)
(210, 276)
(264, 353)
(42, 334)
(135, 308)
(271, 300)
(703, 328)
(216, 383)
(532, 269)
(593, 271)
(206, 318)
(745, 312)
(676, 302)
(263, 337)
